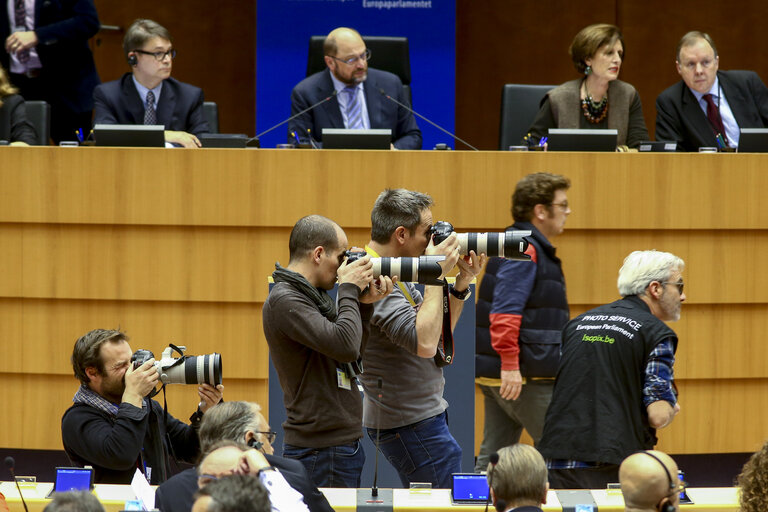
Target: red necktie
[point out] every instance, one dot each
(713, 114)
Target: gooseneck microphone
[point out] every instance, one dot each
(501, 505)
(10, 463)
(409, 109)
(281, 123)
(493, 458)
(374, 489)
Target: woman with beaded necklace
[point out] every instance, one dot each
(598, 100)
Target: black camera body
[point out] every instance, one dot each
(422, 270)
(509, 244)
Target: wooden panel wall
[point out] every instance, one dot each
(175, 246)
(502, 41)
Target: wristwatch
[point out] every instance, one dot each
(460, 295)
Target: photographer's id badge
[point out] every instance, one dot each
(342, 379)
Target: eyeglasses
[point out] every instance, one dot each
(563, 205)
(679, 285)
(270, 435)
(366, 55)
(159, 56)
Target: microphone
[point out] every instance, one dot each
(409, 109)
(372, 502)
(501, 505)
(281, 123)
(10, 463)
(493, 458)
(374, 489)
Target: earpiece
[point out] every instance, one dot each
(132, 60)
(255, 443)
(665, 504)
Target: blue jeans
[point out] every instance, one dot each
(335, 466)
(422, 452)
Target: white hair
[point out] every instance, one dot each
(640, 268)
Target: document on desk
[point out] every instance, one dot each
(143, 490)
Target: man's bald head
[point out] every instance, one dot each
(645, 483)
(341, 36)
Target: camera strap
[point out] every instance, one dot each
(445, 352)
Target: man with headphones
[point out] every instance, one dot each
(148, 94)
(649, 482)
(243, 426)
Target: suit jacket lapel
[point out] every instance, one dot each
(373, 101)
(132, 100)
(736, 100)
(330, 107)
(166, 105)
(699, 122)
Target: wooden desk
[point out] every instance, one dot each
(113, 498)
(172, 245)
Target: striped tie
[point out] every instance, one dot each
(20, 20)
(354, 109)
(150, 116)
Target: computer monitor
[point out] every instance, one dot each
(469, 488)
(341, 138)
(566, 139)
(129, 135)
(753, 140)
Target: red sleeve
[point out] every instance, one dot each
(505, 331)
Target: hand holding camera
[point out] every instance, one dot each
(448, 247)
(140, 381)
(378, 289)
(358, 272)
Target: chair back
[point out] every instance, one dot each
(211, 113)
(519, 106)
(39, 116)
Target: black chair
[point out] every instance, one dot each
(39, 116)
(387, 54)
(211, 114)
(519, 106)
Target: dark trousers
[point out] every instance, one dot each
(335, 466)
(64, 121)
(584, 478)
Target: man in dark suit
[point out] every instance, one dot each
(240, 422)
(45, 49)
(148, 95)
(709, 107)
(356, 100)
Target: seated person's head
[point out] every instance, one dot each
(229, 458)
(74, 501)
(6, 88)
(649, 482)
(235, 493)
(519, 478)
(346, 56)
(100, 359)
(753, 482)
(240, 422)
(148, 48)
(401, 219)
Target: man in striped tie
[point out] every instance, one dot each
(148, 94)
(356, 96)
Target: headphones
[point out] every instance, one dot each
(133, 60)
(665, 505)
(255, 443)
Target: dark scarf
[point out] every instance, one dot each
(322, 300)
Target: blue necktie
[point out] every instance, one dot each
(150, 116)
(354, 109)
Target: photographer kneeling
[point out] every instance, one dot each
(113, 425)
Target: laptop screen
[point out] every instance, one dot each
(73, 479)
(469, 488)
